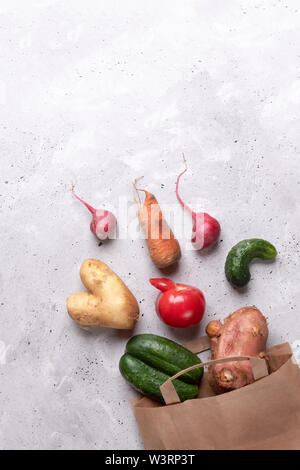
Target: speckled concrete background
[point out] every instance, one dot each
(102, 92)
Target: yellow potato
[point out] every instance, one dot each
(110, 302)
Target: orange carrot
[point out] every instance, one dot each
(163, 247)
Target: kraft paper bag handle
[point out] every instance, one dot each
(198, 345)
(259, 369)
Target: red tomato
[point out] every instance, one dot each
(178, 305)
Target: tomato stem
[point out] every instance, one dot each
(163, 284)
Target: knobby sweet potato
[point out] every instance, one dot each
(244, 333)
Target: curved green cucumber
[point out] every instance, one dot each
(147, 379)
(149, 360)
(165, 355)
(239, 257)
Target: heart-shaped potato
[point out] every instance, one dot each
(110, 303)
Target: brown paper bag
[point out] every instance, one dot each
(263, 415)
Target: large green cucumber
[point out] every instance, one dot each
(165, 355)
(238, 259)
(150, 360)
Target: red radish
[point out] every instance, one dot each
(103, 223)
(206, 229)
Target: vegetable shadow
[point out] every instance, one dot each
(106, 241)
(210, 249)
(170, 269)
(112, 334)
(183, 335)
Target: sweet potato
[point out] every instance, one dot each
(110, 302)
(244, 333)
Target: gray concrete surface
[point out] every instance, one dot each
(101, 92)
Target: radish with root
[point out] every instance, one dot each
(103, 223)
(206, 229)
(244, 333)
